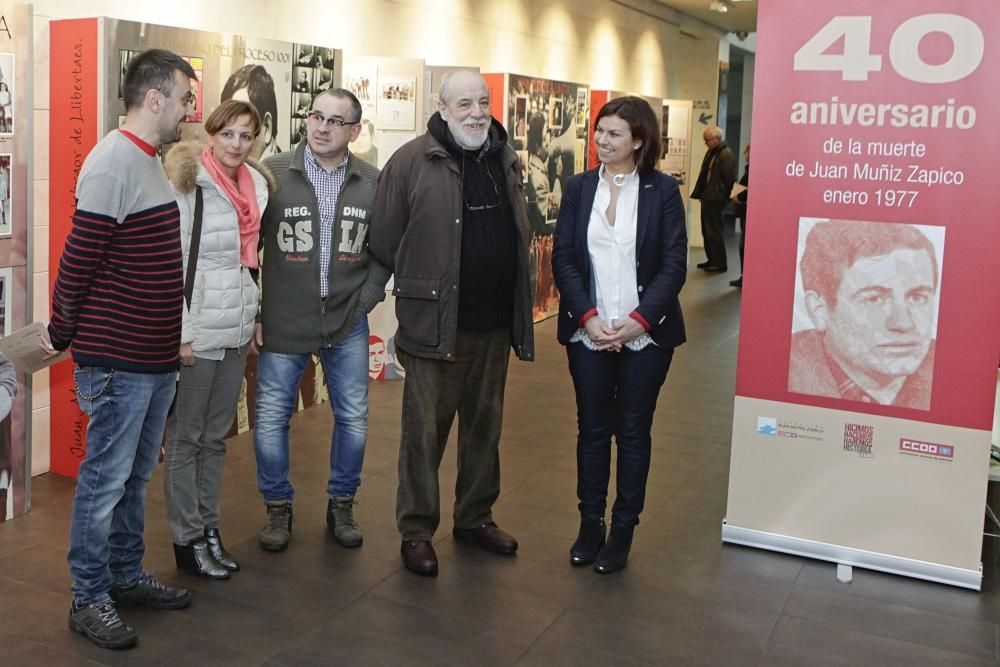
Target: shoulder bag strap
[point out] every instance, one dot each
(195, 244)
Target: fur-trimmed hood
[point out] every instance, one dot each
(183, 164)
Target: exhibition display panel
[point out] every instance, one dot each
(547, 124)
(15, 244)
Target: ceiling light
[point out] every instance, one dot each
(719, 6)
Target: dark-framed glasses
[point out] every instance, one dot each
(331, 122)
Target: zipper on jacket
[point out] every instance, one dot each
(239, 340)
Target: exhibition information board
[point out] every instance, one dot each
(15, 250)
(868, 350)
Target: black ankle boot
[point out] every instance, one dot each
(614, 555)
(196, 559)
(589, 541)
(218, 551)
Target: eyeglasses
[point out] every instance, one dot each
(188, 98)
(331, 122)
(496, 193)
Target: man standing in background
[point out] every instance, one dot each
(714, 185)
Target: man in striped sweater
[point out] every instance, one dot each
(117, 302)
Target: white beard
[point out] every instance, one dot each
(468, 139)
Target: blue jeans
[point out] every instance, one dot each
(127, 412)
(345, 367)
(616, 395)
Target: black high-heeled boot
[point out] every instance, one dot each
(589, 541)
(196, 559)
(614, 555)
(218, 551)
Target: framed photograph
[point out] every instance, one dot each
(396, 106)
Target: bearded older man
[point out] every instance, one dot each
(451, 221)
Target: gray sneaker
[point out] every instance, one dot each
(278, 530)
(101, 624)
(340, 520)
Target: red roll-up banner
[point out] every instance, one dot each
(871, 305)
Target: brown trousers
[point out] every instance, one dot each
(434, 391)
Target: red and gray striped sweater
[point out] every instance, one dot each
(118, 295)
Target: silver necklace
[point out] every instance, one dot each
(618, 179)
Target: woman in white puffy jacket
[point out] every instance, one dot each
(218, 324)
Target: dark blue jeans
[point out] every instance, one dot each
(616, 394)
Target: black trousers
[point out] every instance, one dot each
(711, 230)
(616, 393)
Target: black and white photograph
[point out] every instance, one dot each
(582, 108)
(7, 79)
(325, 57)
(305, 55)
(6, 295)
(302, 80)
(552, 147)
(6, 215)
(322, 79)
(255, 84)
(124, 56)
(303, 104)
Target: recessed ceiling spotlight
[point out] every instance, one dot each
(719, 6)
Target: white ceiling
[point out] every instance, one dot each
(741, 17)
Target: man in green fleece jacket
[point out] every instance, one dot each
(319, 283)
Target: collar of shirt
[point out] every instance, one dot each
(312, 161)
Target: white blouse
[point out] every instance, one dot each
(612, 256)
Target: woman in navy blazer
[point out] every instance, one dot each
(619, 259)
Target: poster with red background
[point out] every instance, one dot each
(868, 338)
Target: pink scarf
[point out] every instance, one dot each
(243, 196)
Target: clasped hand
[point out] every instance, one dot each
(612, 337)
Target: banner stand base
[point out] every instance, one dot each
(943, 574)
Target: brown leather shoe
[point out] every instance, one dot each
(489, 537)
(419, 557)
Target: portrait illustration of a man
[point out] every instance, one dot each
(870, 291)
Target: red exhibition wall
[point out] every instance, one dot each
(73, 132)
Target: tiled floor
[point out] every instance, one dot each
(684, 599)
